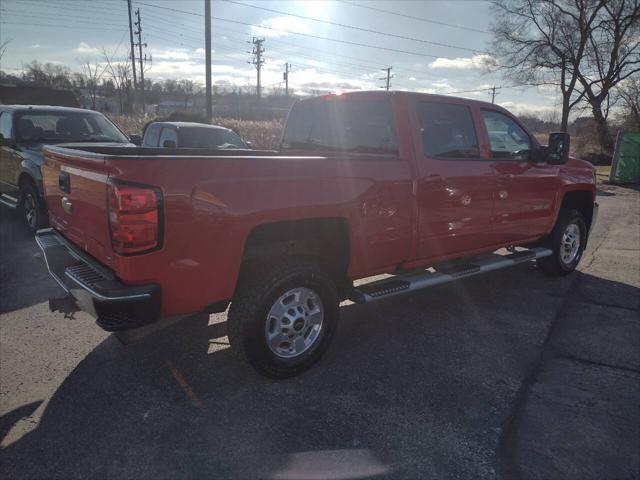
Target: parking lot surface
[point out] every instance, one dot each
(507, 375)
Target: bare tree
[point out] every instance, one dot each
(48, 74)
(92, 72)
(120, 73)
(629, 94)
(3, 47)
(612, 57)
(543, 42)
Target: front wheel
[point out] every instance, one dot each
(33, 209)
(284, 316)
(567, 241)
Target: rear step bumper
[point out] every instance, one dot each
(95, 289)
(398, 284)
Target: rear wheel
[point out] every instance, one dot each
(284, 316)
(567, 241)
(33, 210)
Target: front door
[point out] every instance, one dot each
(455, 182)
(526, 191)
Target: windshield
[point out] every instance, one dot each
(341, 125)
(210, 138)
(66, 126)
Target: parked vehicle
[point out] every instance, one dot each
(24, 130)
(191, 135)
(365, 183)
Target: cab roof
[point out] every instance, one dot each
(377, 94)
(44, 108)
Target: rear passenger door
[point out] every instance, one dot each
(455, 183)
(526, 190)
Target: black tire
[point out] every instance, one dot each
(260, 287)
(554, 264)
(34, 213)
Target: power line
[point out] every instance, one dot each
(49, 25)
(47, 16)
(325, 57)
(353, 27)
(318, 37)
(413, 17)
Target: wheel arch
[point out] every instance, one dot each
(581, 200)
(326, 239)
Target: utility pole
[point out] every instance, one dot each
(387, 78)
(493, 94)
(140, 45)
(207, 48)
(133, 54)
(258, 61)
(285, 75)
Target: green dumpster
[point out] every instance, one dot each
(625, 167)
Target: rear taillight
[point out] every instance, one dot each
(134, 218)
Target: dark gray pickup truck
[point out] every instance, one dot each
(24, 130)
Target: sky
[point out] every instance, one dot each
(331, 45)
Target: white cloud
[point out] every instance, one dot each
(282, 25)
(38, 46)
(413, 79)
(523, 108)
(85, 48)
(477, 61)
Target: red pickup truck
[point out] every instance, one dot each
(421, 187)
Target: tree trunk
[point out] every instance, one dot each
(564, 122)
(604, 136)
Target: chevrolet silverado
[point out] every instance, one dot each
(426, 189)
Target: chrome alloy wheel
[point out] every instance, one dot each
(294, 322)
(570, 244)
(30, 210)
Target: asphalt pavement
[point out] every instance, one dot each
(508, 375)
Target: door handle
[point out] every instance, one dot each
(505, 177)
(64, 182)
(67, 205)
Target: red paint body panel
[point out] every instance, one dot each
(402, 210)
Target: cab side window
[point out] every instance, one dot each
(5, 125)
(168, 135)
(507, 139)
(447, 131)
(152, 135)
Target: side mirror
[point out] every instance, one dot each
(169, 144)
(135, 139)
(558, 149)
(248, 144)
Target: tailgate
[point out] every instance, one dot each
(75, 186)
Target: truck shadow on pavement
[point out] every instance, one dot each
(419, 386)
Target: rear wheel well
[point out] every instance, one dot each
(581, 200)
(324, 239)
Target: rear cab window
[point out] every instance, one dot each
(447, 131)
(342, 125)
(168, 135)
(152, 135)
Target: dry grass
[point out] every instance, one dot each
(262, 134)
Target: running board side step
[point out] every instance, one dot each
(398, 284)
(8, 201)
